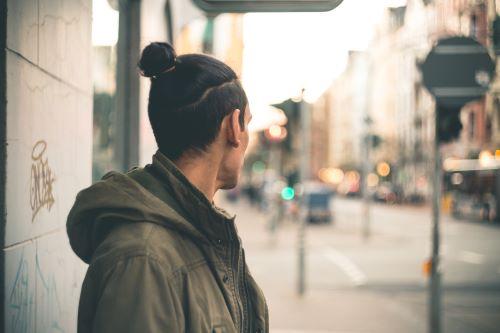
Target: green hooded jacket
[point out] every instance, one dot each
(161, 258)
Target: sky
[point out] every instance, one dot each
(104, 23)
(287, 52)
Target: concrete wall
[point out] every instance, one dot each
(49, 154)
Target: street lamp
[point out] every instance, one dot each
(383, 169)
(276, 133)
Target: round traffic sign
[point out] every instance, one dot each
(458, 70)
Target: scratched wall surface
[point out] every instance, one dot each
(49, 140)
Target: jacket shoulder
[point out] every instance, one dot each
(170, 248)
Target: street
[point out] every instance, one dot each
(375, 285)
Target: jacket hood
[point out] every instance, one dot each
(117, 199)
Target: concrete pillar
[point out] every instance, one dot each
(45, 158)
(127, 85)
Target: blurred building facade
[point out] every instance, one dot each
(401, 109)
(320, 136)
(346, 102)
(402, 39)
(422, 25)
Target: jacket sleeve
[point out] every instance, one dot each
(137, 296)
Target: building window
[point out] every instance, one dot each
(473, 26)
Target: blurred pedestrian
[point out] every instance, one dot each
(163, 257)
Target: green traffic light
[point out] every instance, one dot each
(258, 167)
(288, 193)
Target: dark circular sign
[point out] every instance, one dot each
(458, 70)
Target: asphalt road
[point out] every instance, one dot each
(377, 285)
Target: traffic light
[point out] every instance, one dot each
(449, 124)
(293, 178)
(496, 34)
(291, 108)
(288, 193)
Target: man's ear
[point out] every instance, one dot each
(233, 128)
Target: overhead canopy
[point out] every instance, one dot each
(245, 6)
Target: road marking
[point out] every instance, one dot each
(357, 277)
(471, 257)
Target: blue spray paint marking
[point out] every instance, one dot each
(49, 307)
(21, 300)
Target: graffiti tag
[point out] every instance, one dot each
(42, 179)
(21, 300)
(49, 306)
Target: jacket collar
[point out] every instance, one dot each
(196, 208)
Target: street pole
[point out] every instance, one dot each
(368, 145)
(305, 120)
(364, 179)
(453, 79)
(435, 279)
(275, 199)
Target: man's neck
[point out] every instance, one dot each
(201, 172)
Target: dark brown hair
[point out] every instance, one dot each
(189, 97)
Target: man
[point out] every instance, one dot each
(162, 257)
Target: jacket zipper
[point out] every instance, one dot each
(236, 282)
(244, 292)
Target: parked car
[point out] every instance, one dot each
(317, 198)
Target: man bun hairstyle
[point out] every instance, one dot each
(156, 59)
(189, 97)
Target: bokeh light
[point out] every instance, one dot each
(383, 169)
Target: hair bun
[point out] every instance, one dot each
(157, 58)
